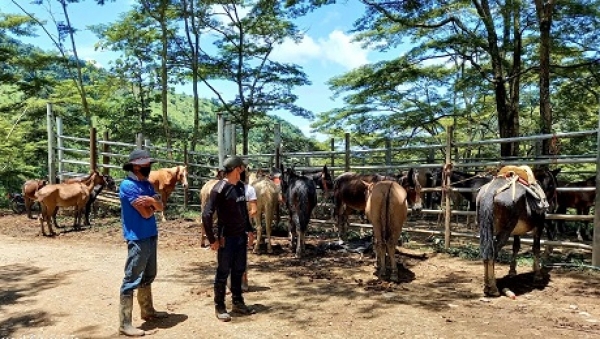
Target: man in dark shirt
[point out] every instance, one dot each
(230, 237)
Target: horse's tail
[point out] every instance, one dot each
(485, 219)
(385, 215)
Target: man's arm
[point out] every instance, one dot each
(207, 216)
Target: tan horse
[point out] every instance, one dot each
(30, 187)
(164, 181)
(65, 195)
(387, 209)
(267, 202)
(204, 195)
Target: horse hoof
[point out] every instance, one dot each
(512, 274)
(491, 291)
(270, 251)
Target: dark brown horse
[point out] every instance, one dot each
(512, 205)
(349, 194)
(580, 201)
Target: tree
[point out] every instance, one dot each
(242, 57)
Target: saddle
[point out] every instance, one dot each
(524, 176)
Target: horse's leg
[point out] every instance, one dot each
(163, 195)
(258, 222)
(513, 260)
(43, 212)
(49, 220)
(537, 273)
(489, 278)
(380, 258)
(268, 225)
(300, 245)
(53, 218)
(391, 252)
(28, 204)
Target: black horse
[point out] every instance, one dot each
(110, 184)
(300, 195)
(349, 193)
(321, 178)
(510, 205)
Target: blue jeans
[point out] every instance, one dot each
(140, 267)
(231, 259)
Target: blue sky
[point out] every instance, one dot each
(325, 51)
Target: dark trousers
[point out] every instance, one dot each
(231, 259)
(140, 267)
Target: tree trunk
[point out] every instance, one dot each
(164, 86)
(544, 13)
(79, 82)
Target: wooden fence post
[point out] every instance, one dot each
(388, 154)
(332, 157)
(51, 145)
(93, 150)
(220, 125)
(347, 158)
(105, 157)
(139, 141)
(186, 164)
(278, 145)
(596, 235)
(60, 146)
(448, 211)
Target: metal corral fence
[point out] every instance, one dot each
(76, 156)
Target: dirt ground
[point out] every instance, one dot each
(67, 287)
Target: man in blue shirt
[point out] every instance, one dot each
(139, 201)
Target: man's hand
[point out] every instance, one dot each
(215, 245)
(250, 240)
(143, 201)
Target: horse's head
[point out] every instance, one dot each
(547, 180)
(368, 189)
(326, 179)
(411, 184)
(110, 183)
(97, 178)
(182, 174)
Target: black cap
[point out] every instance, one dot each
(138, 157)
(232, 162)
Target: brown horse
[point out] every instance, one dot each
(512, 204)
(580, 201)
(349, 193)
(65, 195)
(29, 189)
(387, 210)
(164, 181)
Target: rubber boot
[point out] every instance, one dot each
(144, 297)
(125, 327)
(220, 309)
(240, 307)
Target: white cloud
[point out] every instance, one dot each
(337, 47)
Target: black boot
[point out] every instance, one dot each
(240, 307)
(220, 309)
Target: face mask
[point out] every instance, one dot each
(243, 176)
(145, 171)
